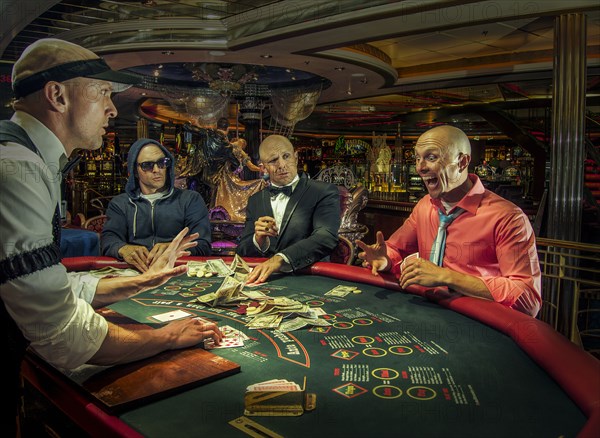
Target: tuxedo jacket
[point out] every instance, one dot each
(309, 228)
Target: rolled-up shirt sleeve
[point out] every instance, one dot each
(520, 282)
(71, 331)
(83, 285)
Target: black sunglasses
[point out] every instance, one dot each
(148, 166)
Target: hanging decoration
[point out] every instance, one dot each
(291, 105)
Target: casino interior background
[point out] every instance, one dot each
(341, 77)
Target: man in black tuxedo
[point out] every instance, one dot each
(294, 221)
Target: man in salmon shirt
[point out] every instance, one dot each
(486, 246)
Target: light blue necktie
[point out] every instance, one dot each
(439, 244)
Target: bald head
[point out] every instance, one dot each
(279, 159)
(442, 157)
(271, 142)
(451, 140)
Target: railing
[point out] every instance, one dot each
(571, 290)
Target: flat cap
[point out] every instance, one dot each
(51, 59)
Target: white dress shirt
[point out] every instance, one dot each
(278, 204)
(72, 331)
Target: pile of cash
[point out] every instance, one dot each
(208, 268)
(266, 312)
(228, 294)
(270, 313)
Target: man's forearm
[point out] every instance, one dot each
(113, 289)
(467, 285)
(122, 345)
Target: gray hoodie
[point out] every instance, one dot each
(134, 220)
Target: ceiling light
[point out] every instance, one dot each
(226, 80)
(340, 68)
(168, 52)
(266, 56)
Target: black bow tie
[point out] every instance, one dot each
(286, 190)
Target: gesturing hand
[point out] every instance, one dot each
(164, 267)
(375, 255)
(156, 252)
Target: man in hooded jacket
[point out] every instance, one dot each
(142, 221)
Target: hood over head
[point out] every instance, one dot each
(133, 187)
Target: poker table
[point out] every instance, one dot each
(391, 363)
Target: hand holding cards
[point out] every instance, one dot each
(231, 338)
(407, 258)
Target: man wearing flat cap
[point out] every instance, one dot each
(63, 102)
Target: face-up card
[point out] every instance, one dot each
(231, 338)
(229, 343)
(172, 315)
(231, 333)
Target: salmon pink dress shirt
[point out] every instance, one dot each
(492, 240)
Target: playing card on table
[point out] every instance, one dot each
(231, 338)
(228, 343)
(230, 333)
(171, 315)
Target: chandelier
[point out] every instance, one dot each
(287, 95)
(224, 79)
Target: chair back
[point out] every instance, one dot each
(100, 203)
(337, 174)
(344, 252)
(353, 199)
(95, 223)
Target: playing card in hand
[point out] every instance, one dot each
(408, 257)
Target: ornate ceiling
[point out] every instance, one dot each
(379, 64)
